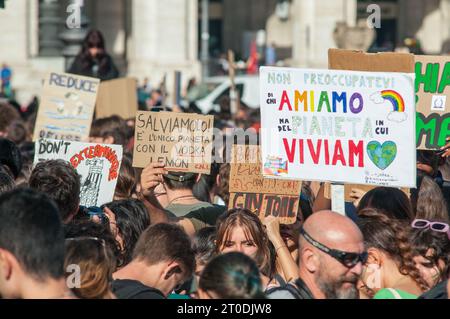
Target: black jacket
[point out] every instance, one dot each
(109, 72)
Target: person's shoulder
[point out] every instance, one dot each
(133, 289)
(280, 293)
(437, 292)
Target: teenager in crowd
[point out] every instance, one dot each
(96, 264)
(390, 271)
(162, 260)
(331, 255)
(61, 182)
(241, 230)
(431, 251)
(109, 130)
(232, 275)
(93, 60)
(31, 247)
(128, 220)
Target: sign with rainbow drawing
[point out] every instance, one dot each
(338, 126)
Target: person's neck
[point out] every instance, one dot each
(181, 196)
(146, 274)
(48, 289)
(309, 281)
(392, 278)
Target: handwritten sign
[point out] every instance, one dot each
(66, 107)
(98, 165)
(249, 189)
(339, 126)
(433, 100)
(183, 142)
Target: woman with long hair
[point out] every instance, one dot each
(390, 271)
(93, 60)
(240, 230)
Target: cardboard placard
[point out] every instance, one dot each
(249, 189)
(98, 165)
(117, 97)
(432, 100)
(182, 141)
(348, 189)
(351, 60)
(66, 108)
(338, 126)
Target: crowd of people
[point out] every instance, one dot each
(171, 235)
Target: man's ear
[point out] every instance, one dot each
(218, 179)
(310, 259)
(172, 269)
(7, 261)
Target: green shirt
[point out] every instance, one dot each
(180, 210)
(390, 293)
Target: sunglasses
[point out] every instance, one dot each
(349, 260)
(435, 226)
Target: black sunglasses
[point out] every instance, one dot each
(349, 260)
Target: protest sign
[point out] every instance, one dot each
(432, 100)
(264, 196)
(182, 141)
(66, 107)
(98, 165)
(339, 126)
(117, 97)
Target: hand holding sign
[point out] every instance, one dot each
(151, 177)
(356, 194)
(445, 151)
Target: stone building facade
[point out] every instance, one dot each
(153, 38)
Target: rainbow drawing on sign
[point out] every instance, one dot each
(275, 166)
(395, 98)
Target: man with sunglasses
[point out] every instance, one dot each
(331, 255)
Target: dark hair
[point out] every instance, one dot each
(166, 242)
(392, 237)
(223, 189)
(232, 276)
(204, 245)
(88, 228)
(387, 200)
(8, 114)
(6, 181)
(10, 156)
(94, 38)
(18, 132)
(253, 228)
(31, 230)
(61, 182)
(424, 239)
(429, 158)
(132, 219)
(126, 182)
(206, 183)
(113, 126)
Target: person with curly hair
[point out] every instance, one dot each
(390, 271)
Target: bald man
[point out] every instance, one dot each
(331, 255)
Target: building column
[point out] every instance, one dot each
(163, 39)
(314, 23)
